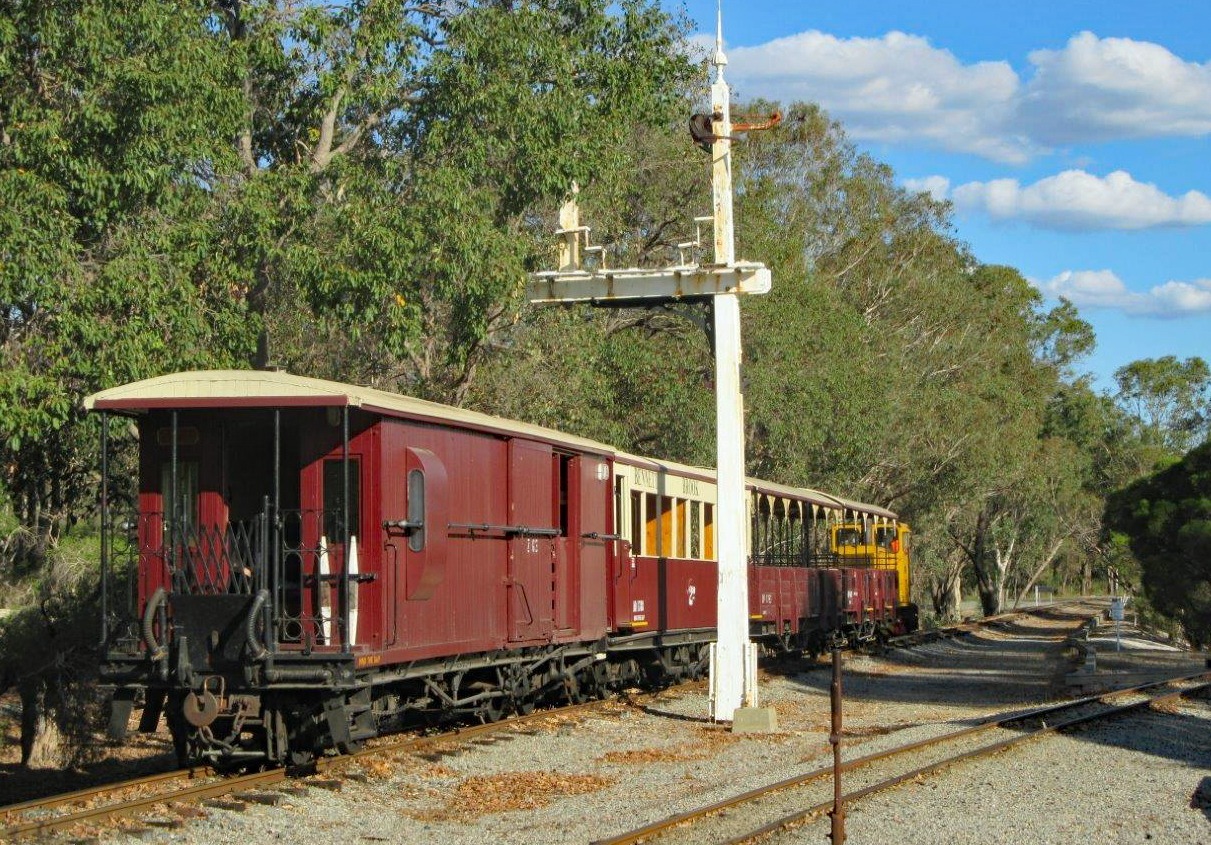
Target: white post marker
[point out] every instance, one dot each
(351, 573)
(1116, 613)
(325, 571)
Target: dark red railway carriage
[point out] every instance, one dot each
(314, 563)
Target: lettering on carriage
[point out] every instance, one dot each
(645, 478)
(689, 487)
(691, 593)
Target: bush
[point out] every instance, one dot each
(48, 653)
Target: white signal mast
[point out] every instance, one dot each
(733, 681)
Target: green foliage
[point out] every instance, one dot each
(1166, 519)
(108, 123)
(1169, 399)
(182, 183)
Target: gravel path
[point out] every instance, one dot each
(577, 780)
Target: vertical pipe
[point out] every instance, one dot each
(172, 508)
(267, 637)
(104, 528)
(345, 521)
(275, 548)
(837, 814)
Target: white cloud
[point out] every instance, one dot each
(894, 88)
(1104, 289)
(937, 186)
(899, 88)
(1078, 200)
(1099, 89)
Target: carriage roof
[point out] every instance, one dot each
(277, 389)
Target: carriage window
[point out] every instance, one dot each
(416, 510)
(334, 498)
(636, 522)
(186, 502)
(696, 530)
(651, 529)
(681, 532)
(665, 549)
(708, 531)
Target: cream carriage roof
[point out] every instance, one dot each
(274, 388)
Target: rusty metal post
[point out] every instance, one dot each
(837, 814)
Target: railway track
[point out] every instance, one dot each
(150, 795)
(766, 810)
(147, 795)
(963, 629)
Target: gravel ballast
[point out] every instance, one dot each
(1137, 779)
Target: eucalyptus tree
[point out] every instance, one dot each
(887, 363)
(114, 118)
(392, 154)
(1168, 399)
(183, 182)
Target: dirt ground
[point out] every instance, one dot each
(140, 754)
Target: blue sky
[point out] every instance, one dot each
(1073, 137)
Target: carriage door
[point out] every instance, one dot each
(592, 532)
(533, 494)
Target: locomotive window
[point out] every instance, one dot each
(416, 510)
(849, 537)
(334, 498)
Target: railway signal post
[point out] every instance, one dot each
(734, 661)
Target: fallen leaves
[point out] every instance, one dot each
(482, 795)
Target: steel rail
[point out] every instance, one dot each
(228, 785)
(89, 792)
(126, 808)
(962, 629)
(792, 818)
(659, 827)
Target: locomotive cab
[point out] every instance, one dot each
(879, 545)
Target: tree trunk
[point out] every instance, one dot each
(41, 742)
(946, 593)
(988, 573)
(1047, 560)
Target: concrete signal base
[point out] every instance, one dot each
(755, 720)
